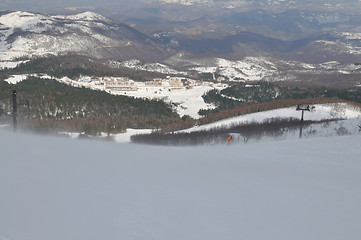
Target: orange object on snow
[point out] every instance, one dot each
(229, 139)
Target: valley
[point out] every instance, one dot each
(200, 68)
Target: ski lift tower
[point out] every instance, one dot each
(303, 108)
(14, 113)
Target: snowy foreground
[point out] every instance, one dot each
(57, 188)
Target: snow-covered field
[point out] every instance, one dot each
(56, 188)
(14, 79)
(10, 64)
(189, 101)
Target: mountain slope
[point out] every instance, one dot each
(24, 35)
(303, 189)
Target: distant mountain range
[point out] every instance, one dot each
(252, 45)
(312, 37)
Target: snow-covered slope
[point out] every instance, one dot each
(304, 189)
(248, 69)
(320, 112)
(24, 34)
(256, 68)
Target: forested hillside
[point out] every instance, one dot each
(241, 94)
(52, 106)
(73, 66)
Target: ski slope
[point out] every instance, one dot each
(56, 188)
(320, 112)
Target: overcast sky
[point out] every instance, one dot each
(114, 7)
(57, 5)
(50, 6)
